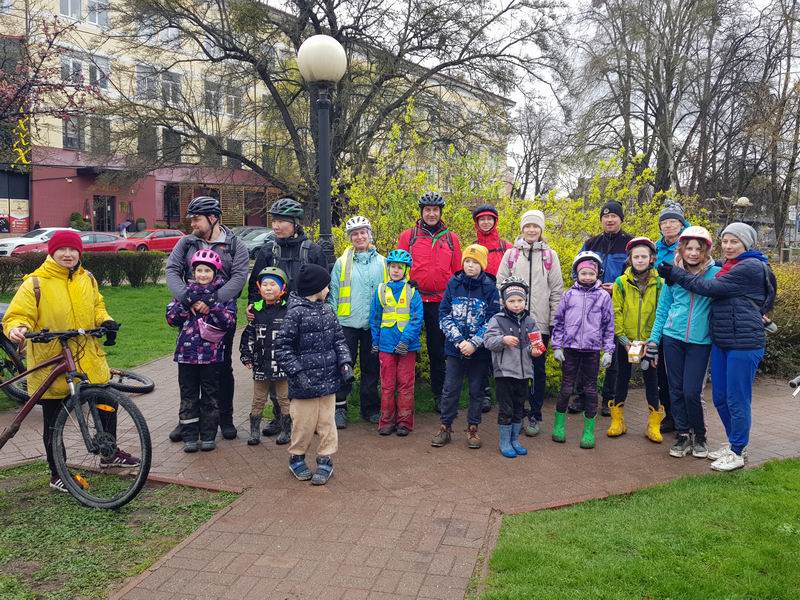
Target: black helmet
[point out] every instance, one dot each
(287, 207)
(484, 209)
(203, 206)
(431, 199)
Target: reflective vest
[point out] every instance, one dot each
(345, 277)
(395, 313)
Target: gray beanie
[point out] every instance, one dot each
(746, 234)
(672, 211)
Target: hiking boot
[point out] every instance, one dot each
(227, 429)
(682, 446)
(473, 439)
(654, 419)
(486, 404)
(176, 435)
(374, 418)
(324, 471)
(729, 462)
(341, 418)
(559, 427)
(587, 439)
(532, 430)
(208, 445)
(298, 467)
(506, 449)
(700, 450)
(255, 433)
(190, 447)
(273, 427)
(402, 431)
(58, 485)
(386, 430)
(286, 431)
(516, 428)
(443, 437)
(668, 424)
(120, 460)
(617, 427)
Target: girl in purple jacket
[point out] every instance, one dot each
(584, 325)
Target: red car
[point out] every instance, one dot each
(163, 240)
(93, 241)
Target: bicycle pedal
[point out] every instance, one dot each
(82, 481)
(106, 408)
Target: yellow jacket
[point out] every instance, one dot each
(67, 302)
(635, 313)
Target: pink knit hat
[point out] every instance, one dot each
(586, 264)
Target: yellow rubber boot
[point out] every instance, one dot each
(654, 419)
(617, 427)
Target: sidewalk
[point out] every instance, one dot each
(399, 519)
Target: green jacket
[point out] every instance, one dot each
(634, 313)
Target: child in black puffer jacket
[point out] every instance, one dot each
(312, 350)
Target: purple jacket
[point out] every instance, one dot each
(191, 348)
(584, 320)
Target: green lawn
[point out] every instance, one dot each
(53, 548)
(732, 536)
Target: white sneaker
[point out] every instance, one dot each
(723, 450)
(730, 462)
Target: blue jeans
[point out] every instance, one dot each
(686, 366)
(455, 371)
(732, 375)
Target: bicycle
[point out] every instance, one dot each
(95, 422)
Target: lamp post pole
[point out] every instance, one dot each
(324, 168)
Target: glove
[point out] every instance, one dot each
(650, 356)
(111, 332)
(605, 360)
(558, 354)
(665, 270)
(375, 349)
(347, 374)
(401, 349)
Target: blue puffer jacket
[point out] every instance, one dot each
(467, 306)
(367, 275)
(739, 299)
(387, 338)
(311, 349)
(611, 249)
(684, 315)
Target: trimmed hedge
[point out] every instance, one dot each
(782, 354)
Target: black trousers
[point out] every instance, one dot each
(663, 381)
(581, 369)
(224, 370)
(609, 391)
(511, 395)
(434, 339)
(650, 377)
(198, 413)
(359, 342)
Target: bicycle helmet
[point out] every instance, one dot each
(203, 206)
(288, 208)
(695, 232)
(641, 241)
(400, 257)
(208, 258)
(431, 199)
(484, 210)
(587, 255)
(513, 282)
(357, 222)
(273, 272)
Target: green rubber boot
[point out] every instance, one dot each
(587, 440)
(559, 427)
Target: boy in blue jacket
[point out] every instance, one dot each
(396, 317)
(470, 300)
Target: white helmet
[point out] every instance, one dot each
(587, 255)
(357, 222)
(695, 232)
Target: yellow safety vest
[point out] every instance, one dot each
(345, 278)
(395, 312)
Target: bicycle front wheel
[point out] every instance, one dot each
(112, 472)
(129, 381)
(11, 364)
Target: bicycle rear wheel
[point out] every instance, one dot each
(11, 365)
(128, 381)
(96, 479)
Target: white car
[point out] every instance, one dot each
(37, 236)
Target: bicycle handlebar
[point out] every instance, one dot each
(45, 335)
(795, 382)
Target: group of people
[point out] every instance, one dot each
(494, 309)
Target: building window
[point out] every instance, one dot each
(172, 202)
(171, 146)
(170, 36)
(71, 70)
(234, 146)
(147, 141)
(212, 96)
(146, 82)
(71, 8)
(211, 155)
(5, 6)
(233, 102)
(98, 12)
(171, 88)
(100, 130)
(72, 133)
(99, 70)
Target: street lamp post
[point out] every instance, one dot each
(323, 62)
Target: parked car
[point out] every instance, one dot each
(243, 230)
(163, 240)
(37, 236)
(93, 241)
(254, 243)
(252, 232)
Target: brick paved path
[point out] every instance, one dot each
(399, 519)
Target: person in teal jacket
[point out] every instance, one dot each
(681, 328)
(396, 318)
(355, 277)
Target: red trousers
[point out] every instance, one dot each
(397, 375)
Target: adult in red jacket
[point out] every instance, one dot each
(485, 217)
(436, 255)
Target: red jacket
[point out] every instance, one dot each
(495, 245)
(435, 259)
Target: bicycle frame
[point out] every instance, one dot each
(63, 364)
